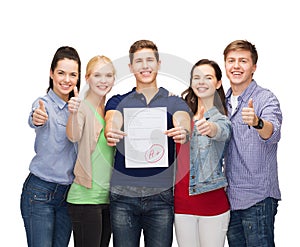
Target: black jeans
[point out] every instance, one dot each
(91, 224)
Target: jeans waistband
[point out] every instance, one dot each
(33, 179)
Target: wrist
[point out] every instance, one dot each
(260, 124)
(187, 136)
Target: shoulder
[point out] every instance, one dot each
(262, 91)
(264, 95)
(119, 97)
(114, 101)
(169, 95)
(84, 107)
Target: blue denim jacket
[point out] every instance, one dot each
(206, 155)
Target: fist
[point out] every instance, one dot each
(40, 116)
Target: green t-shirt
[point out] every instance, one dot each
(102, 161)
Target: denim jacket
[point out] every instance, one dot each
(207, 155)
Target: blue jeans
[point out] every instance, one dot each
(153, 214)
(45, 214)
(254, 226)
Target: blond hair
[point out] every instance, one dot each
(94, 61)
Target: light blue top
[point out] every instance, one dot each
(207, 154)
(55, 154)
(251, 162)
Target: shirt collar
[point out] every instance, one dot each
(56, 99)
(245, 96)
(161, 92)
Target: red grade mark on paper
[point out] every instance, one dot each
(154, 153)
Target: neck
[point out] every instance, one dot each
(206, 103)
(96, 101)
(148, 92)
(238, 89)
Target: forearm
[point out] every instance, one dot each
(113, 120)
(267, 131)
(182, 119)
(72, 128)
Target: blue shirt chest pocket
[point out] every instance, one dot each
(60, 137)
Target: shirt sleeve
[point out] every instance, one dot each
(270, 111)
(179, 104)
(113, 103)
(223, 128)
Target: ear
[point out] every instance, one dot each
(130, 67)
(219, 84)
(159, 64)
(51, 74)
(254, 68)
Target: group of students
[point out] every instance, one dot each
(221, 178)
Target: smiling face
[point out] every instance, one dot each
(204, 82)
(239, 69)
(145, 67)
(101, 79)
(65, 77)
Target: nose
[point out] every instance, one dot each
(236, 64)
(67, 78)
(145, 63)
(103, 79)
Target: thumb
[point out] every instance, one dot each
(42, 105)
(200, 113)
(250, 103)
(75, 91)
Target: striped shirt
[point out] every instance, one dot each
(251, 162)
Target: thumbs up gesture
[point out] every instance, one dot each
(74, 102)
(203, 126)
(40, 116)
(248, 114)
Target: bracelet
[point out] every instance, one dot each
(187, 136)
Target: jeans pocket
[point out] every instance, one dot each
(39, 196)
(114, 196)
(167, 196)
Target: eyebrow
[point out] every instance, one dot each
(237, 58)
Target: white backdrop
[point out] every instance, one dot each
(31, 31)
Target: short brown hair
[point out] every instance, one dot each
(242, 45)
(141, 44)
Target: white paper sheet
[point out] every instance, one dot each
(146, 145)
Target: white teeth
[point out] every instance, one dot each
(201, 89)
(65, 86)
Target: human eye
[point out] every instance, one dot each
(150, 59)
(196, 78)
(138, 60)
